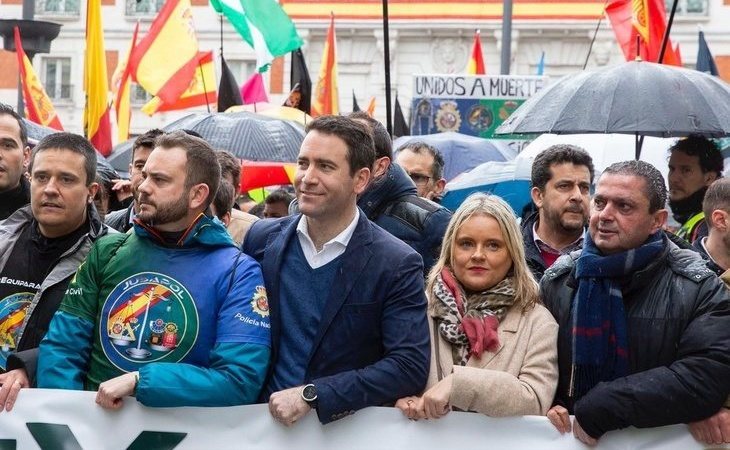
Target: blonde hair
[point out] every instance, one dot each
(526, 288)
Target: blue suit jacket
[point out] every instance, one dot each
(372, 345)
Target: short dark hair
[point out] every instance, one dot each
(558, 154)
(279, 196)
(7, 109)
(146, 140)
(381, 138)
(655, 189)
(704, 149)
(68, 141)
(716, 197)
(224, 199)
(229, 166)
(420, 147)
(202, 164)
(355, 135)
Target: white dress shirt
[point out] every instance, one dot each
(331, 249)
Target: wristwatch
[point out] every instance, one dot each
(309, 395)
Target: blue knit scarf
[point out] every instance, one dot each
(600, 342)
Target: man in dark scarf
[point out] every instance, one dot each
(644, 326)
(695, 162)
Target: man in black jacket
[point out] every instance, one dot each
(14, 155)
(41, 247)
(644, 326)
(561, 182)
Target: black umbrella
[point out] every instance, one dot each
(37, 132)
(640, 98)
(247, 135)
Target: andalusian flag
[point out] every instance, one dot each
(201, 89)
(97, 127)
(165, 60)
(121, 87)
(264, 25)
(38, 106)
(326, 97)
(475, 66)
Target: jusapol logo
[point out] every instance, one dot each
(12, 316)
(148, 317)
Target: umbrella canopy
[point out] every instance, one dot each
(247, 135)
(635, 97)
(605, 149)
(510, 180)
(37, 132)
(461, 152)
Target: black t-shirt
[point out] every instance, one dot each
(14, 199)
(31, 260)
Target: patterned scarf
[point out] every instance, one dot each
(600, 341)
(469, 322)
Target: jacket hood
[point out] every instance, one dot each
(393, 184)
(204, 231)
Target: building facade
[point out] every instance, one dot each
(425, 37)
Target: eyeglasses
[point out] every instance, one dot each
(419, 179)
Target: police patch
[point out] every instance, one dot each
(260, 303)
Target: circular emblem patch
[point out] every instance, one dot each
(148, 317)
(12, 314)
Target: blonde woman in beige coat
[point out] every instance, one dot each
(493, 345)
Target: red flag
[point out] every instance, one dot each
(476, 60)
(253, 90)
(646, 19)
(326, 95)
(121, 87)
(97, 126)
(39, 108)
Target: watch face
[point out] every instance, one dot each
(309, 393)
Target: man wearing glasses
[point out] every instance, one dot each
(425, 165)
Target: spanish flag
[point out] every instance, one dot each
(39, 108)
(201, 89)
(121, 87)
(326, 96)
(97, 127)
(165, 60)
(475, 66)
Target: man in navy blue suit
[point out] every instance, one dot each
(347, 302)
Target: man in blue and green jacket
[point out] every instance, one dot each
(172, 312)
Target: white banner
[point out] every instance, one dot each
(514, 87)
(50, 419)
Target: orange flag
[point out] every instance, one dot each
(475, 66)
(97, 127)
(646, 19)
(121, 87)
(200, 91)
(371, 107)
(38, 106)
(326, 97)
(165, 60)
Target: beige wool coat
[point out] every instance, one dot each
(520, 378)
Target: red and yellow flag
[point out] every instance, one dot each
(166, 59)
(121, 88)
(97, 127)
(647, 20)
(475, 66)
(326, 97)
(200, 91)
(38, 106)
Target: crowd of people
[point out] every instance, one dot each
(364, 291)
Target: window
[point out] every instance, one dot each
(144, 7)
(688, 7)
(138, 95)
(57, 78)
(58, 7)
(242, 69)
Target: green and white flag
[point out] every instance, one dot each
(264, 25)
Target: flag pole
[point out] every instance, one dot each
(386, 58)
(595, 33)
(665, 39)
(205, 90)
